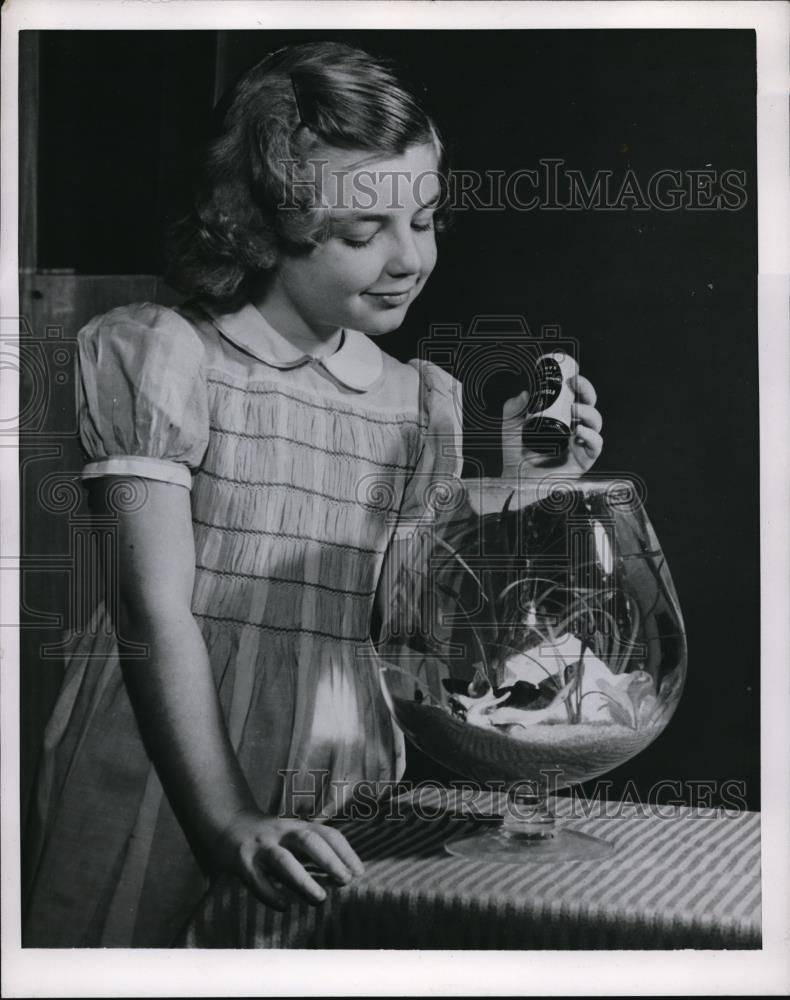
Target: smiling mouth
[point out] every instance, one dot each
(391, 298)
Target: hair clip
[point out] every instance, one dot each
(298, 103)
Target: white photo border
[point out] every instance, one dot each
(92, 973)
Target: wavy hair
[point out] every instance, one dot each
(256, 198)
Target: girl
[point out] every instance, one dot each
(255, 426)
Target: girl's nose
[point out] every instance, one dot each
(405, 257)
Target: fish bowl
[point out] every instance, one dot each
(531, 639)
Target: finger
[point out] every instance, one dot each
(309, 845)
(586, 415)
(584, 389)
(342, 848)
(588, 439)
(284, 865)
(516, 407)
(263, 887)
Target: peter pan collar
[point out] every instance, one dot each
(357, 363)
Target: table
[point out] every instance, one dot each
(677, 878)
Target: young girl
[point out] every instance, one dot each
(256, 427)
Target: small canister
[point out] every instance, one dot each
(547, 429)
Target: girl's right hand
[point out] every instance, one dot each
(267, 852)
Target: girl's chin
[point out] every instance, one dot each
(381, 330)
(383, 322)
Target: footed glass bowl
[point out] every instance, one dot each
(532, 638)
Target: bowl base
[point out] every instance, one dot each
(500, 847)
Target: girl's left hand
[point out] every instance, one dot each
(584, 446)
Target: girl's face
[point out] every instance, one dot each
(379, 254)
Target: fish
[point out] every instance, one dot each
(628, 698)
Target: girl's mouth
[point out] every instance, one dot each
(390, 298)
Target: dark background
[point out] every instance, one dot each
(663, 304)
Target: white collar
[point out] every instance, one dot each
(357, 363)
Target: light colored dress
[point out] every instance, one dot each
(300, 471)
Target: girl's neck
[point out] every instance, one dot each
(280, 314)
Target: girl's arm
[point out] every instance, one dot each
(179, 715)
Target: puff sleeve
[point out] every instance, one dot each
(433, 494)
(433, 488)
(141, 395)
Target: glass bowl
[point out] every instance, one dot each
(531, 639)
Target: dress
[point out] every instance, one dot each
(301, 470)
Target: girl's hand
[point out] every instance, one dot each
(268, 852)
(584, 446)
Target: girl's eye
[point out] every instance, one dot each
(358, 244)
(420, 227)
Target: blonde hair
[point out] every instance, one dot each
(253, 200)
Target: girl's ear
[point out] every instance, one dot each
(261, 282)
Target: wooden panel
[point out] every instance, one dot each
(54, 307)
(28, 148)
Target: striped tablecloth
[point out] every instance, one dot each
(677, 878)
